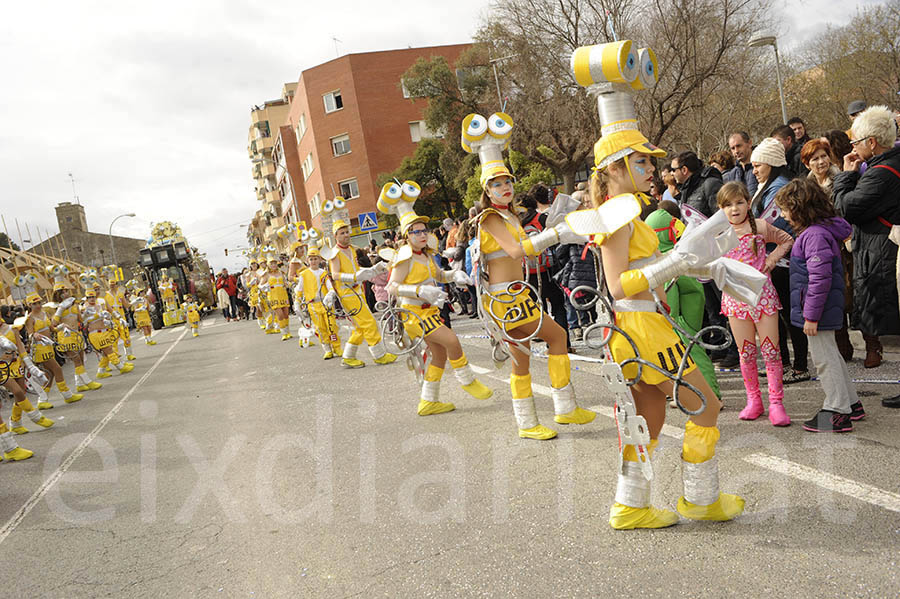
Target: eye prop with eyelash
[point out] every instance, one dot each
(411, 190)
(328, 208)
(339, 203)
(500, 125)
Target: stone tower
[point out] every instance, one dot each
(70, 217)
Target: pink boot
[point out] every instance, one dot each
(775, 379)
(754, 408)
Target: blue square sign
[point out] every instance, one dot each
(368, 221)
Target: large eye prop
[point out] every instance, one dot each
(474, 126)
(391, 191)
(328, 208)
(31, 279)
(339, 203)
(314, 234)
(411, 190)
(500, 125)
(304, 236)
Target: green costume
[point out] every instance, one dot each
(685, 297)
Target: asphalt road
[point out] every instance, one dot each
(238, 465)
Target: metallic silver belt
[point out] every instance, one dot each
(632, 305)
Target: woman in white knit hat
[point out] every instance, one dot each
(770, 168)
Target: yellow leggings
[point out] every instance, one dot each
(364, 323)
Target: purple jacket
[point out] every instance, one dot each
(817, 275)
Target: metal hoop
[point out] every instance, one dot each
(392, 326)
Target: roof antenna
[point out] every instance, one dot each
(611, 28)
(336, 42)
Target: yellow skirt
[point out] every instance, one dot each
(142, 319)
(278, 298)
(193, 316)
(431, 320)
(42, 353)
(102, 339)
(71, 342)
(519, 310)
(656, 342)
(16, 370)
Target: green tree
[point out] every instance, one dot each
(6, 242)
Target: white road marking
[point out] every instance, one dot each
(832, 482)
(32, 501)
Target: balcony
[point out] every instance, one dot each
(274, 198)
(264, 143)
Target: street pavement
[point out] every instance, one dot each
(238, 465)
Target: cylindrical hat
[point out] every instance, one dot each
(769, 151)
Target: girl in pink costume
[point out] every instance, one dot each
(746, 321)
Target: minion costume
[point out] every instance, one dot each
(309, 293)
(613, 72)
(102, 335)
(8, 445)
(192, 313)
(167, 291)
(685, 297)
(115, 303)
(505, 306)
(264, 311)
(348, 278)
(277, 295)
(43, 350)
(140, 308)
(67, 321)
(421, 295)
(17, 370)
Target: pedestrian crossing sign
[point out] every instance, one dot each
(368, 221)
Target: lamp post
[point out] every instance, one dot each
(770, 40)
(111, 244)
(494, 62)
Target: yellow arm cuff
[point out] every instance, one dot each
(529, 248)
(633, 282)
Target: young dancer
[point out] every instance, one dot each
(749, 322)
(414, 279)
(15, 382)
(817, 297)
(511, 314)
(102, 336)
(312, 287)
(41, 332)
(192, 314)
(69, 340)
(277, 295)
(8, 445)
(138, 303)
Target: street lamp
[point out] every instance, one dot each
(111, 244)
(494, 62)
(770, 40)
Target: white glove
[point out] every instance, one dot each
(567, 235)
(36, 373)
(562, 206)
(297, 307)
(740, 281)
(370, 272)
(65, 305)
(329, 298)
(460, 277)
(433, 295)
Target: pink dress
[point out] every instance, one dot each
(768, 301)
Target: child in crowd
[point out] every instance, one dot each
(747, 322)
(817, 297)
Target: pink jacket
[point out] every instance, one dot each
(378, 287)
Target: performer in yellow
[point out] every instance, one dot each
(8, 445)
(15, 382)
(312, 286)
(141, 307)
(69, 340)
(167, 290)
(506, 303)
(41, 332)
(632, 267)
(192, 313)
(415, 279)
(117, 304)
(348, 278)
(277, 295)
(263, 308)
(101, 334)
(251, 282)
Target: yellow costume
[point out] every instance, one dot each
(102, 335)
(311, 290)
(192, 314)
(277, 295)
(17, 371)
(42, 350)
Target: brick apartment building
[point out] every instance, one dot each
(353, 121)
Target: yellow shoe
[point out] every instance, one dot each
(75, 397)
(576, 416)
(478, 390)
(126, 367)
(328, 355)
(104, 375)
(46, 405)
(18, 429)
(273, 332)
(539, 432)
(623, 517)
(151, 342)
(81, 388)
(386, 359)
(286, 336)
(130, 357)
(726, 507)
(45, 422)
(429, 408)
(352, 363)
(17, 454)
(93, 386)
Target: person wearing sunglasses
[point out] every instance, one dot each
(415, 280)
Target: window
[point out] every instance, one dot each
(418, 131)
(263, 127)
(333, 101)
(307, 166)
(407, 93)
(301, 126)
(314, 207)
(340, 145)
(68, 219)
(349, 189)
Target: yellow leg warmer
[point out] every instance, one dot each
(700, 473)
(560, 370)
(433, 373)
(113, 358)
(3, 428)
(80, 369)
(459, 362)
(62, 386)
(520, 386)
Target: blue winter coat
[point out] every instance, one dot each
(817, 275)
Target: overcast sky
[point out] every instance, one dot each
(147, 104)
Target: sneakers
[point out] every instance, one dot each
(857, 412)
(827, 421)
